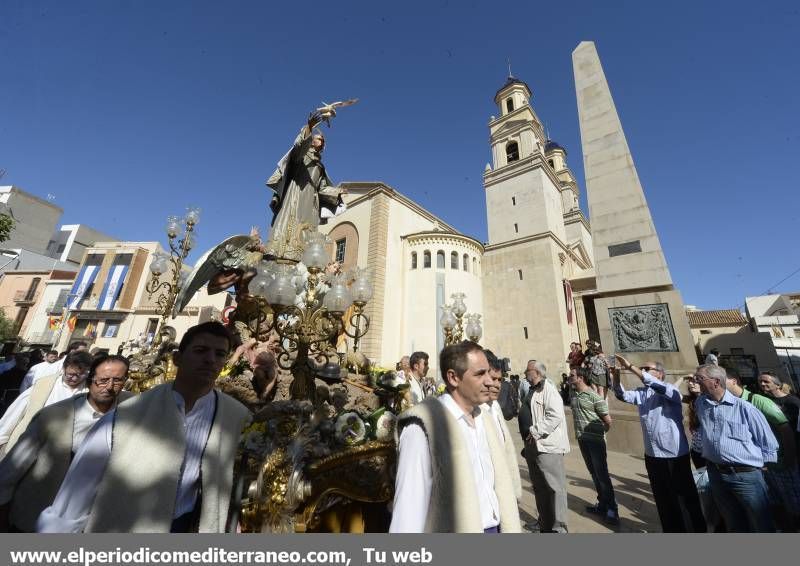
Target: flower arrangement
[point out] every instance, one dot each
(350, 429)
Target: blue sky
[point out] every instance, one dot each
(129, 111)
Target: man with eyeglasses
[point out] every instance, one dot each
(737, 443)
(167, 454)
(70, 381)
(666, 450)
(33, 470)
(51, 365)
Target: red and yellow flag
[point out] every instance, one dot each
(53, 322)
(71, 322)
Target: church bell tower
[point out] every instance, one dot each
(527, 258)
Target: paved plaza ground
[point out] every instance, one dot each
(637, 509)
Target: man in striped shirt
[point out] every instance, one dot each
(737, 442)
(592, 421)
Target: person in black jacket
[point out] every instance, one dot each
(509, 398)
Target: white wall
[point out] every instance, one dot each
(402, 221)
(420, 300)
(35, 219)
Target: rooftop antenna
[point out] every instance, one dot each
(2, 173)
(510, 76)
(51, 196)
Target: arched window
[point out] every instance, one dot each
(426, 259)
(344, 244)
(413, 260)
(509, 105)
(474, 266)
(340, 249)
(465, 262)
(440, 259)
(512, 152)
(551, 164)
(454, 260)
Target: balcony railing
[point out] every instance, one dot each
(55, 308)
(24, 297)
(41, 337)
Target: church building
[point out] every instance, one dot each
(518, 281)
(545, 277)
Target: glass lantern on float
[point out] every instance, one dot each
(338, 298)
(452, 318)
(357, 324)
(473, 328)
(310, 310)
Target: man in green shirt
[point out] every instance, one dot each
(782, 477)
(592, 421)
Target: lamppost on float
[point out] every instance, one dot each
(307, 316)
(181, 241)
(452, 318)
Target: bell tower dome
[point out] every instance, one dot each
(518, 132)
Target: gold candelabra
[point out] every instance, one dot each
(151, 360)
(308, 321)
(452, 321)
(180, 244)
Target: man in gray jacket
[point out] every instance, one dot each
(546, 442)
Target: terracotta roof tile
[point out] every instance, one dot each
(704, 319)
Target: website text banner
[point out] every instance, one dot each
(380, 549)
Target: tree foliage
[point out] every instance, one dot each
(6, 225)
(7, 330)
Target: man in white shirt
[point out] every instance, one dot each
(70, 381)
(545, 446)
(419, 369)
(33, 470)
(493, 407)
(452, 474)
(51, 364)
(162, 461)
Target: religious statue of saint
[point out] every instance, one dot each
(302, 195)
(302, 191)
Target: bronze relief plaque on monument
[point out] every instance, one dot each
(643, 328)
